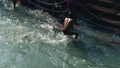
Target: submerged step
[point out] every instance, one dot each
(111, 21)
(107, 1)
(104, 9)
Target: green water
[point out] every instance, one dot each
(32, 39)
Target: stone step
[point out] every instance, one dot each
(104, 9)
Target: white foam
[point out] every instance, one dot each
(6, 21)
(8, 4)
(45, 33)
(46, 26)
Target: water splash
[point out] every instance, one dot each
(33, 39)
(7, 4)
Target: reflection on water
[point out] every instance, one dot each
(32, 39)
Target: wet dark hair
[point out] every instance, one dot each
(72, 16)
(69, 15)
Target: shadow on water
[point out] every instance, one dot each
(98, 52)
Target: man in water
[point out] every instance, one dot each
(68, 28)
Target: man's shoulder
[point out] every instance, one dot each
(68, 19)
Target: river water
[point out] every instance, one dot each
(32, 39)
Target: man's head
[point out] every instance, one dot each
(70, 15)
